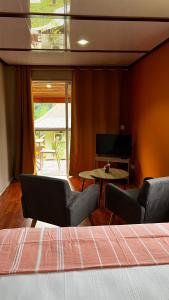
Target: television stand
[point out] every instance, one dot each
(113, 159)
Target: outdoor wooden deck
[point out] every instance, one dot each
(53, 168)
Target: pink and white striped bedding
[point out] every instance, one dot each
(31, 250)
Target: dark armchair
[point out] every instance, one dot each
(149, 204)
(51, 200)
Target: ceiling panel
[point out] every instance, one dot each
(55, 33)
(149, 8)
(32, 33)
(62, 59)
(15, 33)
(14, 6)
(51, 33)
(118, 35)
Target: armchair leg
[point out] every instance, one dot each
(33, 224)
(112, 219)
(91, 220)
(83, 184)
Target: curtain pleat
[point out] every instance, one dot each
(95, 109)
(25, 142)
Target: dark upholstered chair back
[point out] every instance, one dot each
(51, 200)
(149, 204)
(38, 193)
(154, 196)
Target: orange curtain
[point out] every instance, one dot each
(95, 109)
(25, 144)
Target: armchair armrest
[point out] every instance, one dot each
(121, 203)
(83, 204)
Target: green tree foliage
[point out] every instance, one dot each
(41, 108)
(44, 6)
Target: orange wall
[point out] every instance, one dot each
(149, 114)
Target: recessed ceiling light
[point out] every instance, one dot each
(83, 42)
(48, 86)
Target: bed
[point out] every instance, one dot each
(94, 262)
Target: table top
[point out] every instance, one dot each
(100, 174)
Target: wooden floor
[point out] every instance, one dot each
(11, 211)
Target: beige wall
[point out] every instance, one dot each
(7, 94)
(149, 119)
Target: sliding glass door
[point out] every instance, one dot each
(52, 123)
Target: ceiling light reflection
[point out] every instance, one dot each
(83, 42)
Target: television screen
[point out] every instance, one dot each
(113, 144)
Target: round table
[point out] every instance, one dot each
(114, 174)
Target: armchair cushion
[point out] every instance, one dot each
(83, 204)
(133, 193)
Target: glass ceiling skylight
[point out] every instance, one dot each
(49, 32)
(50, 35)
(50, 6)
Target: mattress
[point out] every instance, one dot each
(134, 283)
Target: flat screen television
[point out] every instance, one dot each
(114, 144)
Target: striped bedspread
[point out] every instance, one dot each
(30, 250)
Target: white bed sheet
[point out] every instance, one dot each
(150, 282)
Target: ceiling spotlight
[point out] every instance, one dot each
(48, 86)
(82, 42)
